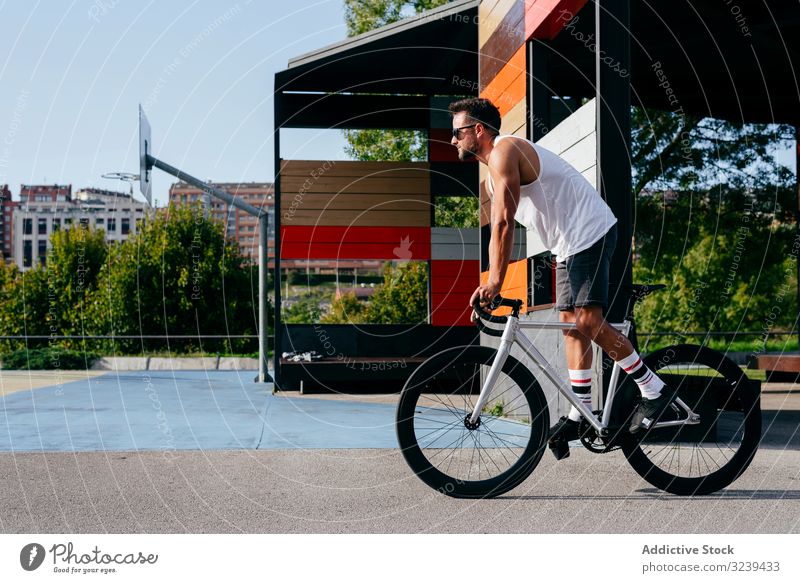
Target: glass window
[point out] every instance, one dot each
(42, 251)
(41, 227)
(125, 226)
(27, 226)
(56, 225)
(27, 253)
(112, 225)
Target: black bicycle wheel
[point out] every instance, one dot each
(466, 461)
(707, 456)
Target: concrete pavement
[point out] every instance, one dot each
(214, 452)
(369, 491)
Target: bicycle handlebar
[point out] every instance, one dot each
(497, 302)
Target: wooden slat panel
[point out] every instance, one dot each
(491, 14)
(355, 193)
(292, 185)
(515, 121)
(504, 41)
(353, 168)
(486, 205)
(544, 18)
(326, 242)
(366, 218)
(509, 86)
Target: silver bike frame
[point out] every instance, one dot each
(512, 335)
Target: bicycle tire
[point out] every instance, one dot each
(722, 446)
(500, 453)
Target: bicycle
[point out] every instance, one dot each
(472, 421)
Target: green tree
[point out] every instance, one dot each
(386, 145)
(714, 220)
(53, 300)
(178, 275)
(306, 310)
(402, 297)
(345, 309)
(672, 151)
(364, 15)
(457, 212)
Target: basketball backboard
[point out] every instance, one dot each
(145, 149)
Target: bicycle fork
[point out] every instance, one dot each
(506, 341)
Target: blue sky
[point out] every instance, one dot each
(73, 73)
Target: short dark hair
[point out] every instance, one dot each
(480, 110)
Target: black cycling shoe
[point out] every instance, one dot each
(560, 435)
(565, 429)
(648, 411)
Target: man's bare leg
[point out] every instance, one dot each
(592, 325)
(590, 322)
(578, 352)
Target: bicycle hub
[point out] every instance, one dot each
(470, 425)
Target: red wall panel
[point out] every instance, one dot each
(394, 243)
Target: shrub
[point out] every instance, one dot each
(55, 358)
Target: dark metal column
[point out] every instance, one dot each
(612, 29)
(797, 216)
(276, 274)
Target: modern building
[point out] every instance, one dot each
(6, 214)
(44, 209)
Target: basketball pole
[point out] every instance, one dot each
(263, 257)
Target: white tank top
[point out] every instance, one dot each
(564, 209)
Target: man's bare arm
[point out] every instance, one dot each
(504, 169)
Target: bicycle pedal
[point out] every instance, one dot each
(560, 448)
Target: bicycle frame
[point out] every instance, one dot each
(512, 335)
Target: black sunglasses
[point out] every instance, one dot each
(456, 130)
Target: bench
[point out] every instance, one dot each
(372, 358)
(356, 374)
(780, 368)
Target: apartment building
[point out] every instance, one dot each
(6, 214)
(44, 209)
(239, 225)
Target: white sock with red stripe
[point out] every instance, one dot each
(581, 381)
(649, 383)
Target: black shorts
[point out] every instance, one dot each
(582, 280)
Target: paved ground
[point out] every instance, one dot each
(365, 491)
(213, 452)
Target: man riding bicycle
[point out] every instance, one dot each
(543, 192)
